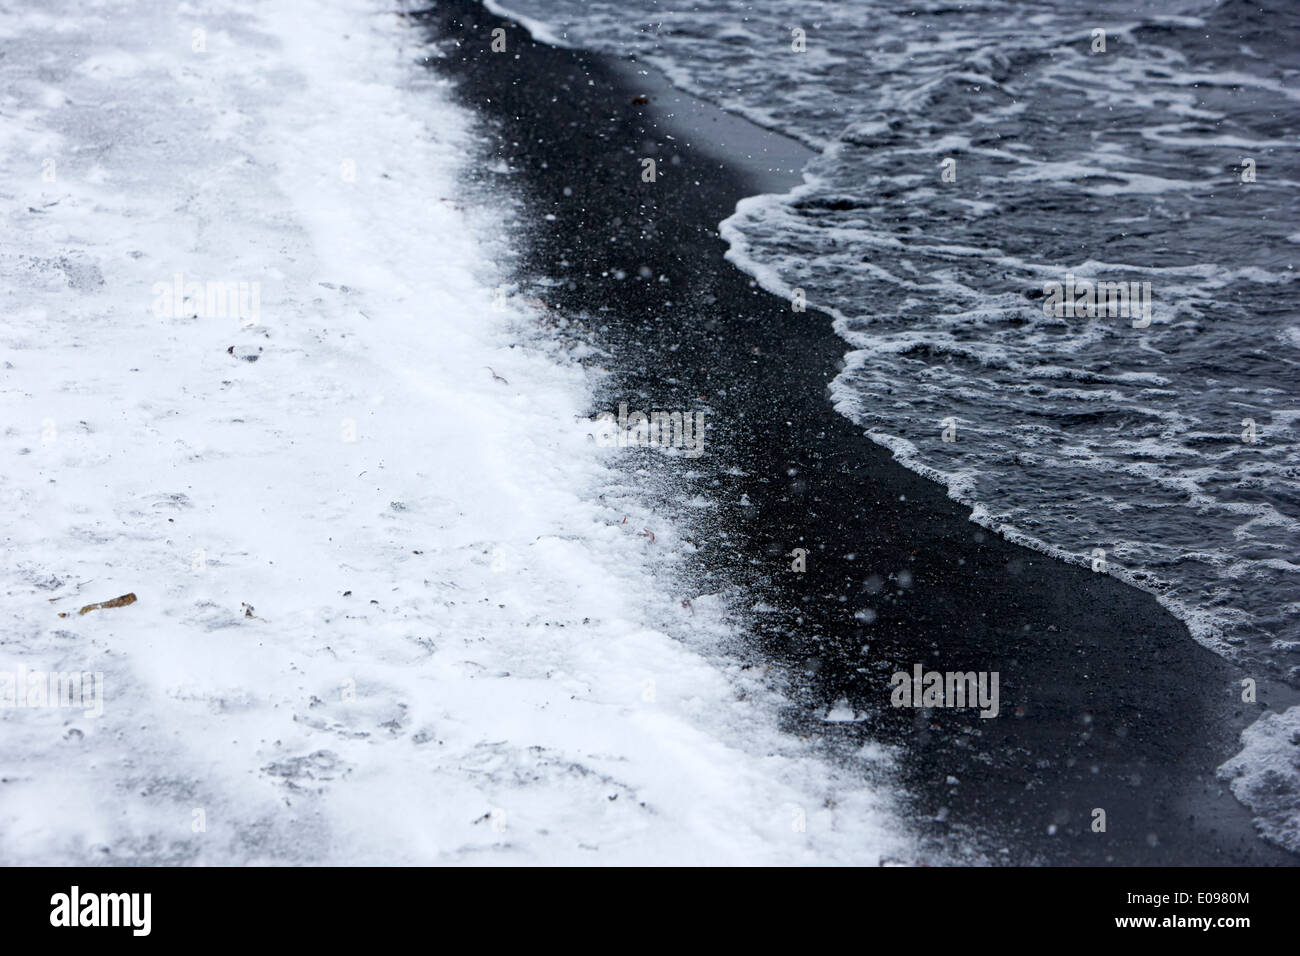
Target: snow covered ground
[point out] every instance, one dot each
(387, 607)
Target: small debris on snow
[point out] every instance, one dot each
(122, 601)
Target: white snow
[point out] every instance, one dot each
(842, 712)
(457, 651)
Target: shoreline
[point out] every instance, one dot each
(1106, 700)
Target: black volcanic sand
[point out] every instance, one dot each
(1106, 701)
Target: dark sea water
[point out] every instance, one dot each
(1165, 453)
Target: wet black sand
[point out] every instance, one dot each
(1106, 701)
